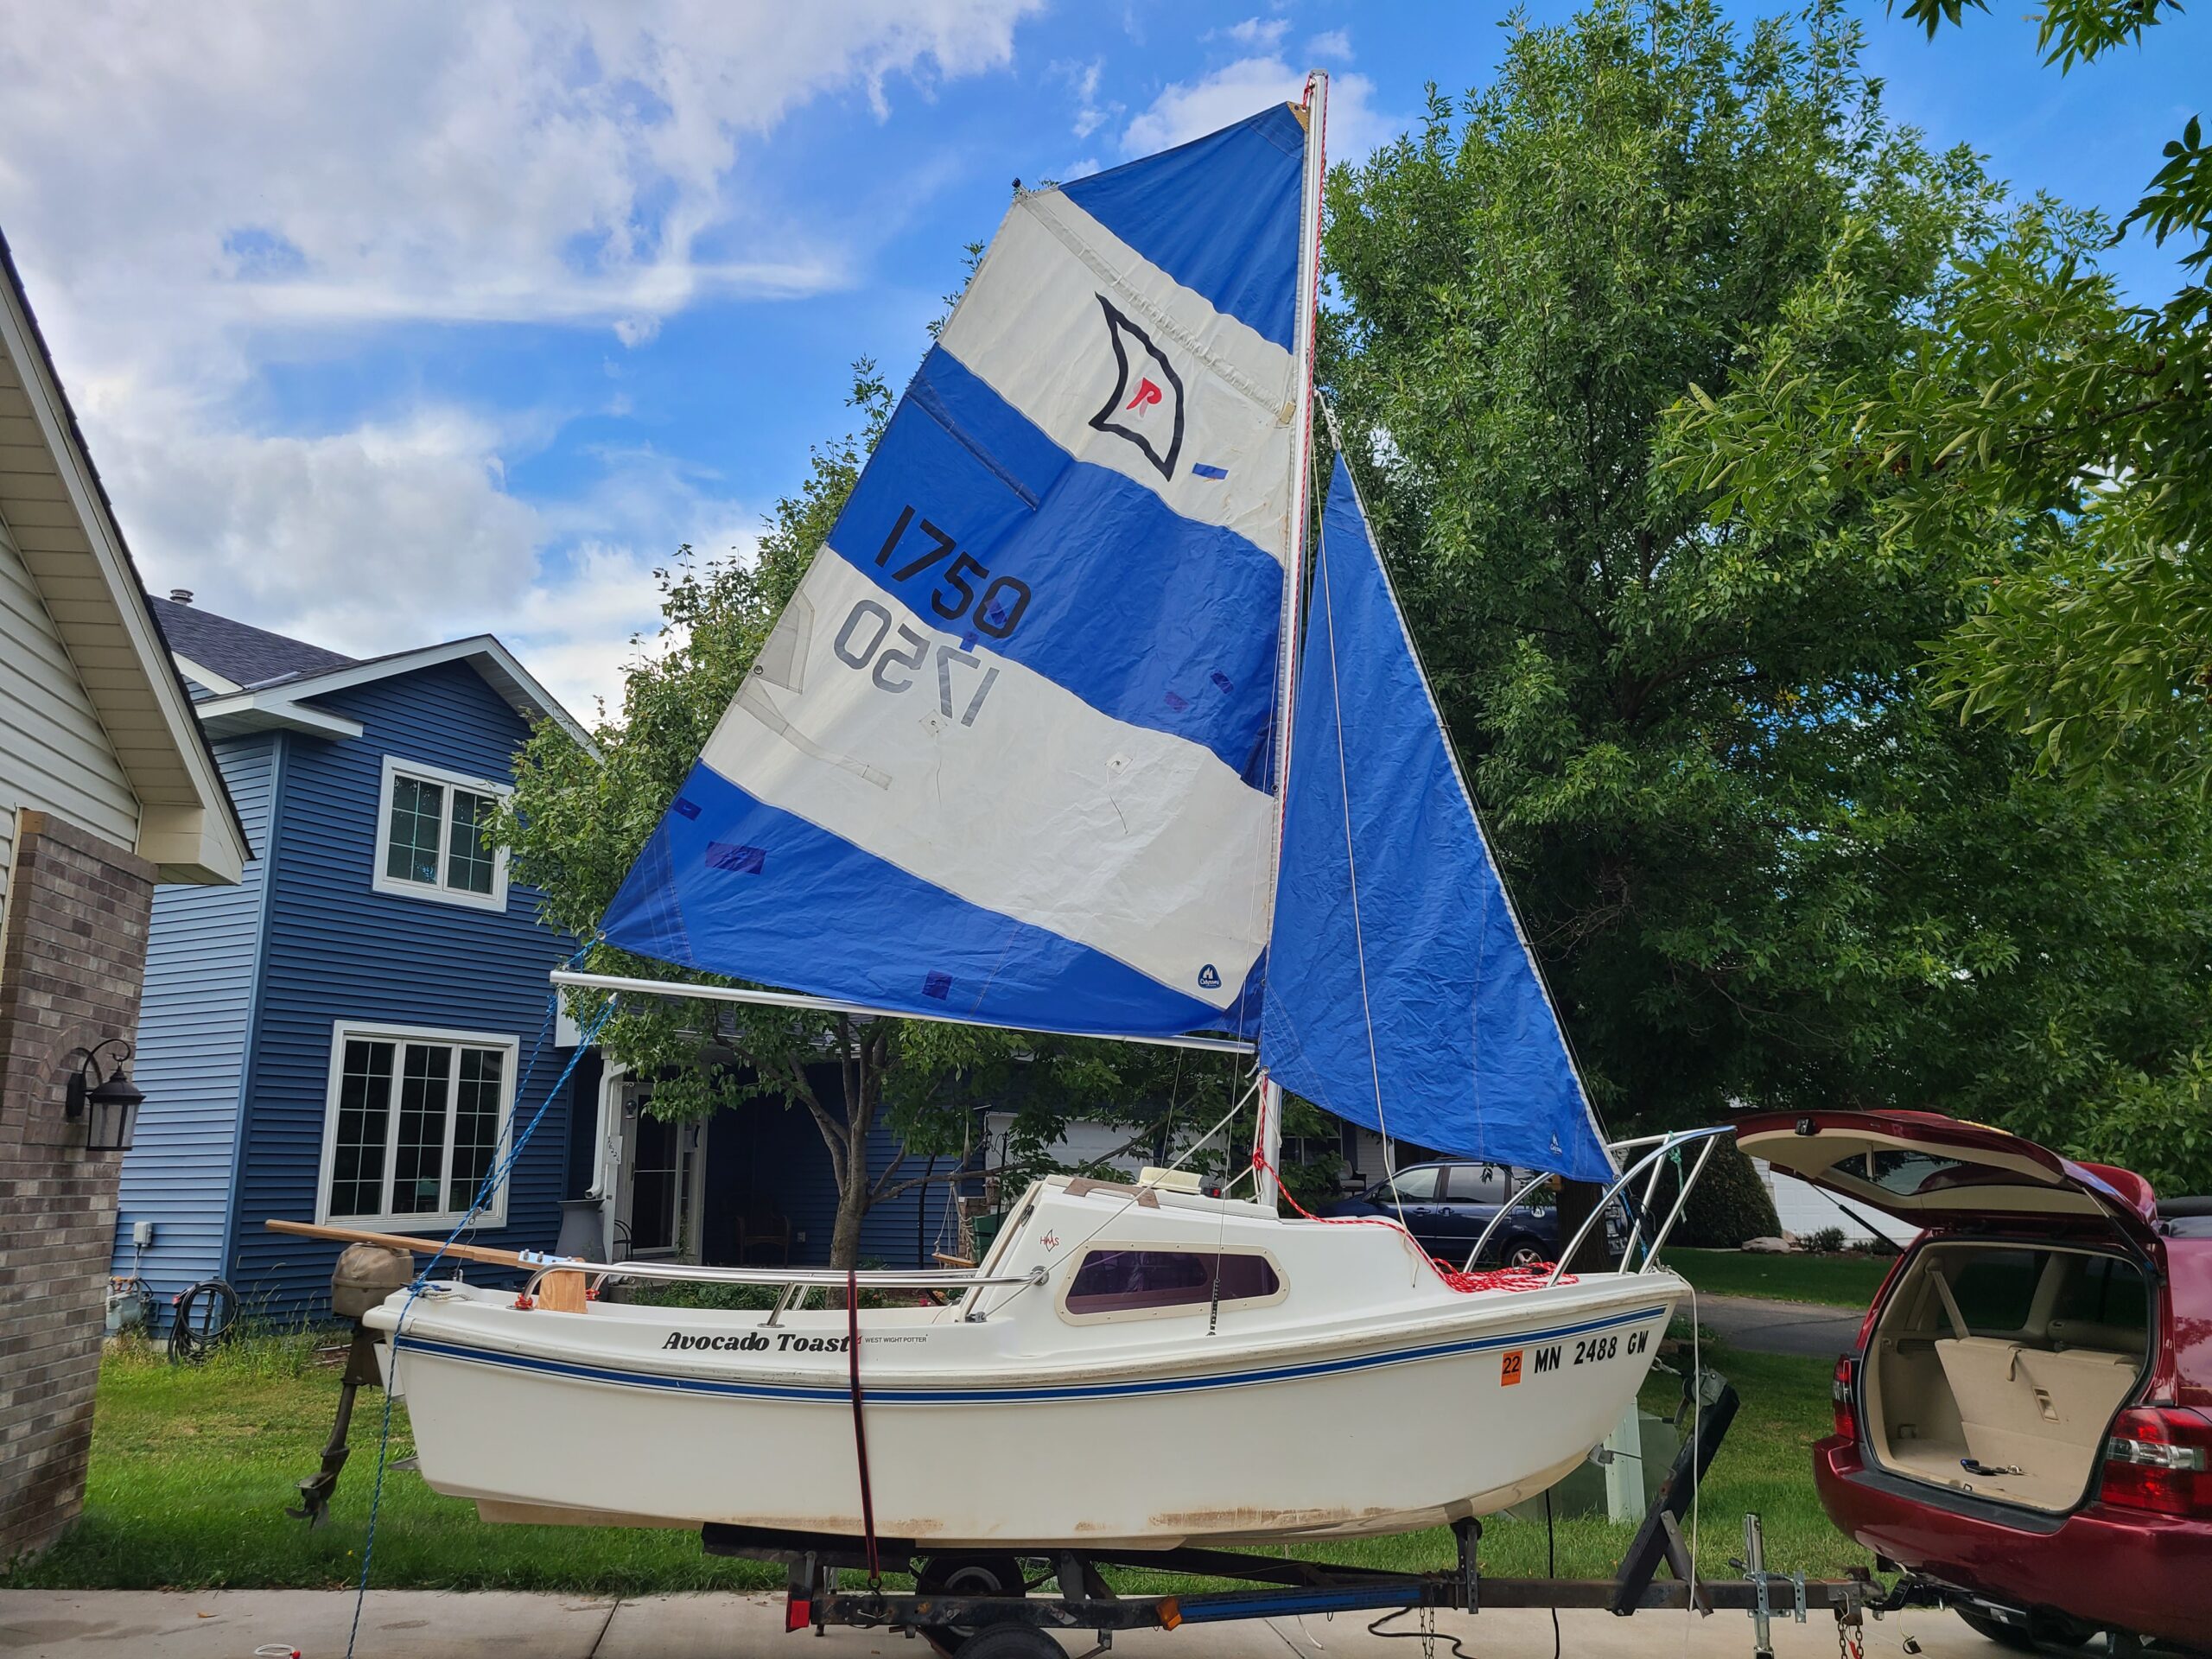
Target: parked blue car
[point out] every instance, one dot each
(1448, 1204)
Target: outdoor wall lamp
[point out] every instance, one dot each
(108, 1106)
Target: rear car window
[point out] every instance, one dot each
(1121, 1282)
(2103, 1290)
(1908, 1174)
(1477, 1183)
(1996, 1289)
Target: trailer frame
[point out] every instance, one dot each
(1080, 1599)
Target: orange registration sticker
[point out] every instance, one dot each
(1509, 1370)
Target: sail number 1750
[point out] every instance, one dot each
(864, 642)
(992, 605)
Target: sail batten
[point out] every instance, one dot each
(1006, 756)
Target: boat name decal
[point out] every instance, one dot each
(754, 1342)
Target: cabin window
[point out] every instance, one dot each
(1150, 1281)
(431, 826)
(416, 1121)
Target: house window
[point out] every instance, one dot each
(416, 1119)
(431, 825)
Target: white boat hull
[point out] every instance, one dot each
(1432, 1407)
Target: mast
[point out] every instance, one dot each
(1268, 1143)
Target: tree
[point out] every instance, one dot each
(575, 824)
(2049, 400)
(1755, 859)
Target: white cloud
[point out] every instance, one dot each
(1091, 112)
(192, 200)
(1187, 110)
(1255, 36)
(1336, 43)
(418, 159)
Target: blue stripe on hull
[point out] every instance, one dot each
(838, 1394)
(791, 900)
(1219, 214)
(1147, 616)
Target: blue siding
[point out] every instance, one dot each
(192, 1031)
(888, 1230)
(339, 950)
(764, 1150)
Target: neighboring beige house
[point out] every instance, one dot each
(106, 786)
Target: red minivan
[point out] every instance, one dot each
(2028, 1416)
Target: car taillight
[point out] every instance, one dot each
(2158, 1459)
(1847, 1420)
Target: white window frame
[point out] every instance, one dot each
(344, 1031)
(396, 767)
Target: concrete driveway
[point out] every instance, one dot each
(423, 1624)
(1767, 1327)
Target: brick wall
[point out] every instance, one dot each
(73, 957)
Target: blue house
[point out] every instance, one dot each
(342, 1037)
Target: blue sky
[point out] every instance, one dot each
(424, 321)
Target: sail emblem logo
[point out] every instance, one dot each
(1146, 406)
(1209, 978)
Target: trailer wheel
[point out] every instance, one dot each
(1010, 1642)
(969, 1576)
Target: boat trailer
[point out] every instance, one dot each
(979, 1606)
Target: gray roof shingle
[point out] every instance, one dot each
(245, 655)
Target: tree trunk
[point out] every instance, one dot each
(1576, 1200)
(845, 1235)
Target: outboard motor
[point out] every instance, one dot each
(366, 1275)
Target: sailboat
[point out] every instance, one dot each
(1021, 752)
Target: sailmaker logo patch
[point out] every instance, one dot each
(1209, 979)
(1146, 406)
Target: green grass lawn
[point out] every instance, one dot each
(191, 1468)
(1843, 1280)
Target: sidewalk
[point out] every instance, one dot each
(424, 1625)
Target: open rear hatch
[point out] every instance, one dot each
(1937, 1172)
(2004, 1347)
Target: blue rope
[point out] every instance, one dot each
(491, 1183)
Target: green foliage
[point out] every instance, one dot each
(1608, 330)
(2068, 31)
(2082, 425)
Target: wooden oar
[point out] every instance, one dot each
(562, 1290)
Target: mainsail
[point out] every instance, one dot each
(1401, 993)
(1006, 757)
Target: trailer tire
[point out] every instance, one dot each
(1010, 1642)
(973, 1575)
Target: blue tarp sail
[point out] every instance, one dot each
(1399, 992)
(1006, 757)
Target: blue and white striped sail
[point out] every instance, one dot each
(1006, 757)
(1401, 992)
